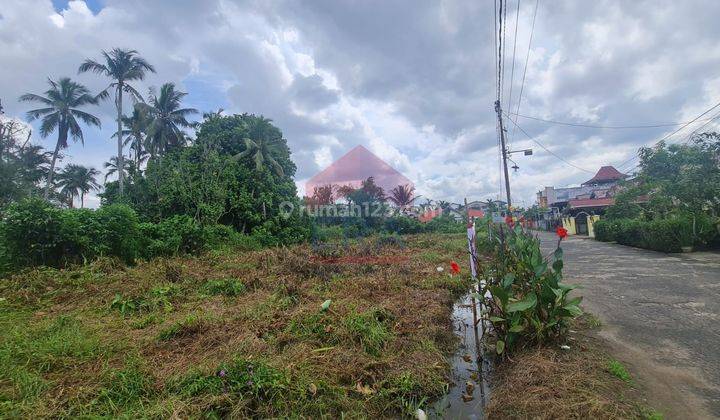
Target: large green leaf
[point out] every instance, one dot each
(573, 309)
(528, 302)
(499, 293)
(508, 280)
(575, 301)
(500, 346)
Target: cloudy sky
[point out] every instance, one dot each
(413, 81)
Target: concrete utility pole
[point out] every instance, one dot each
(498, 110)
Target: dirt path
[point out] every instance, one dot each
(661, 315)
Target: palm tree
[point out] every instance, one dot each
(134, 134)
(77, 180)
(111, 167)
(444, 204)
(121, 66)
(491, 205)
(402, 195)
(166, 119)
(60, 112)
(265, 145)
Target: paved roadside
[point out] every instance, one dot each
(661, 315)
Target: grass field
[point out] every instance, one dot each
(234, 334)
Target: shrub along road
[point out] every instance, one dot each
(660, 314)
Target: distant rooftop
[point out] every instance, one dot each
(604, 175)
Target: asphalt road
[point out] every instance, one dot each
(660, 314)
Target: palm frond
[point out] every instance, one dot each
(93, 66)
(48, 124)
(31, 97)
(37, 113)
(88, 119)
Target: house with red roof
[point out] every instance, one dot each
(592, 197)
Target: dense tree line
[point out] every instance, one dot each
(673, 202)
(173, 189)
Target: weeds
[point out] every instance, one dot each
(285, 357)
(227, 287)
(618, 370)
(369, 329)
(131, 385)
(190, 325)
(27, 355)
(158, 298)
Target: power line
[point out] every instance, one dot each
(498, 46)
(689, 137)
(673, 133)
(527, 58)
(495, 49)
(504, 5)
(512, 68)
(608, 127)
(548, 150)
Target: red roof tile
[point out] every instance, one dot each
(606, 173)
(429, 215)
(476, 213)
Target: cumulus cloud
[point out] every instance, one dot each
(412, 81)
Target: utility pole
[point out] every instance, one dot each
(498, 110)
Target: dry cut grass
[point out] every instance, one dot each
(580, 383)
(234, 334)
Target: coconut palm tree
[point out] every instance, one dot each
(60, 113)
(402, 195)
(444, 205)
(111, 167)
(166, 119)
(77, 180)
(135, 135)
(122, 66)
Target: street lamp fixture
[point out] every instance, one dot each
(526, 152)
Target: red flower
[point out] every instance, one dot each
(509, 221)
(561, 232)
(454, 267)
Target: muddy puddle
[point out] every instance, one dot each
(469, 390)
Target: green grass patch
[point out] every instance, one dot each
(158, 298)
(650, 414)
(317, 327)
(369, 329)
(432, 257)
(132, 385)
(190, 325)
(29, 352)
(618, 370)
(227, 287)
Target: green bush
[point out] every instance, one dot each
(445, 224)
(35, 232)
(605, 230)
(403, 225)
(664, 235)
